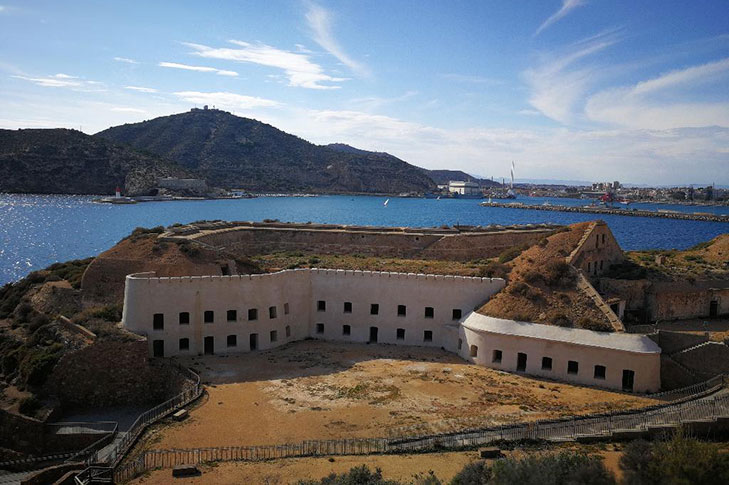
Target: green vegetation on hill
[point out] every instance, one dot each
(60, 161)
(234, 152)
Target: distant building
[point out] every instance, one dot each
(461, 187)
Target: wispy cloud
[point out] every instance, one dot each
(299, 69)
(227, 100)
(561, 79)
(186, 67)
(320, 22)
(141, 89)
(125, 109)
(125, 60)
(371, 103)
(59, 80)
(669, 101)
(567, 7)
(466, 78)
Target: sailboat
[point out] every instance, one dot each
(385, 204)
(510, 194)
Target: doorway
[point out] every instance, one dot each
(253, 341)
(714, 308)
(209, 345)
(158, 348)
(521, 361)
(628, 380)
(373, 334)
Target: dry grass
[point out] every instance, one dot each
(323, 390)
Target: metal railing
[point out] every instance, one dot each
(605, 425)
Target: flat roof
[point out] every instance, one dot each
(577, 336)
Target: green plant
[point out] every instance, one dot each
(359, 475)
(551, 469)
(474, 473)
(29, 405)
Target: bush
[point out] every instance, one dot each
(532, 277)
(475, 473)
(29, 405)
(38, 363)
(510, 253)
(558, 273)
(563, 468)
(314, 260)
(359, 475)
(677, 461)
(559, 319)
(493, 270)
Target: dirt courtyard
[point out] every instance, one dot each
(324, 390)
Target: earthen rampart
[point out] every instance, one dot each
(460, 243)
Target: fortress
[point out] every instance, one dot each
(224, 314)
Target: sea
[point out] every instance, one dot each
(37, 230)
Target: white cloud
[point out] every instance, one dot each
(320, 22)
(55, 81)
(561, 80)
(186, 67)
(141, 89)
(125, 109)
(299, 69)
(664, 102)
(125, 60)
(567, 7)
(226, 100)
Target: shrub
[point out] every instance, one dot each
(359, 475)
(559, 319)
(543, 242)
(518, 288)
(38, 363)
(189, 249)
(554, 469)
(29, 405)
(23, 313)
(37, 321)
(589, 324)
(510, 253)
(532, 277)
(493, 270)
(314, 260)
(475, 473)
(558, 273)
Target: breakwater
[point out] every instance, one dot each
(687, 216)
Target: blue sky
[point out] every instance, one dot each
(569, 89)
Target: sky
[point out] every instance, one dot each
(595, 90)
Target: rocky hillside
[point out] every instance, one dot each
(60, 161)
(234, 152)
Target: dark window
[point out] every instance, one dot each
(209, 316)
(158, 348)
(401, 310)
(288, 331)
(546, 363)
(572, 367)
(272, 312)
(474, 352)
(274, 335)
(597, 240)
(521, 362)
(346, 330)
(209, 345)
(373, 334)
(253, 341)
(603, 238)
(599, 372)
(589, 266)
(601, 265)
(319, 328)
(232, 341)
(231, 315)
(400, 334)
(429, 312)
(496, 357)
(628, 380)
(321, 306)
(460, 343)
(374, 309)
(286, 308)
(158, 321)
(428, 336)
(184, 318)
(184, 344)
(252, 314)
(457, 314)
(347, 307)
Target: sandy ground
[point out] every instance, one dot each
(394, 467)
(324, 390)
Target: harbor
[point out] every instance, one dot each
(666, 214)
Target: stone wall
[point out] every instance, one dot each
(112, 373)
(425, 243)
(597, 250)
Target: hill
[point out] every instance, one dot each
(61, 161)
(234, 152)
(440, 177)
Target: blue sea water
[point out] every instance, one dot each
(37, 230)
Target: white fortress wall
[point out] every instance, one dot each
(616, 352)
(391, 292)
(300, 291)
